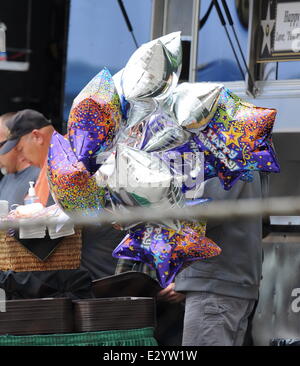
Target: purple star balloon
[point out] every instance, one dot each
(71, 185)
(238, 140)
(167, 251)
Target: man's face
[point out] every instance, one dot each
(9, 160)
(29, 149)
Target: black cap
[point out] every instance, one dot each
(22, 123)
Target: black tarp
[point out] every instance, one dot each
(74, 284)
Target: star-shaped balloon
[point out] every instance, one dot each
(93, 122)
(167, 251)
(73, 187)
(94, 119)
(237, 140)
(150, 74)
(153, 69)
(193, 104)
(161, 133)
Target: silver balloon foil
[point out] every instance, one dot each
(161, 133)
(148, 73)
(131, 136)
(154, 68)
(172, 42)
(140, 110)
(194, 104)
(137, 178)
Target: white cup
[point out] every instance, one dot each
(3, 208)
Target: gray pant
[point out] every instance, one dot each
(215, 320)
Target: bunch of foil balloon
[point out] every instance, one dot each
(142, 139)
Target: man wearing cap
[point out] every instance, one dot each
(31, 134)
(14, 187)
(16, 170)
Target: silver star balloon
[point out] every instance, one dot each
(194, 104)
(162, 133)
(151, 74)
(148, 73)
(153, 68)
(139, 111)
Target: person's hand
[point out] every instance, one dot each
(168, 294)
(117, 227)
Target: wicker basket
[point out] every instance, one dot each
(14, 256)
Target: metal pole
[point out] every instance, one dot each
(230, 21)
(223, 22)
(219, 210)
(194, 43)
(129, 26)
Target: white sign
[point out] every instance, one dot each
(287, 31)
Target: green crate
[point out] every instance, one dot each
(131, 337)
